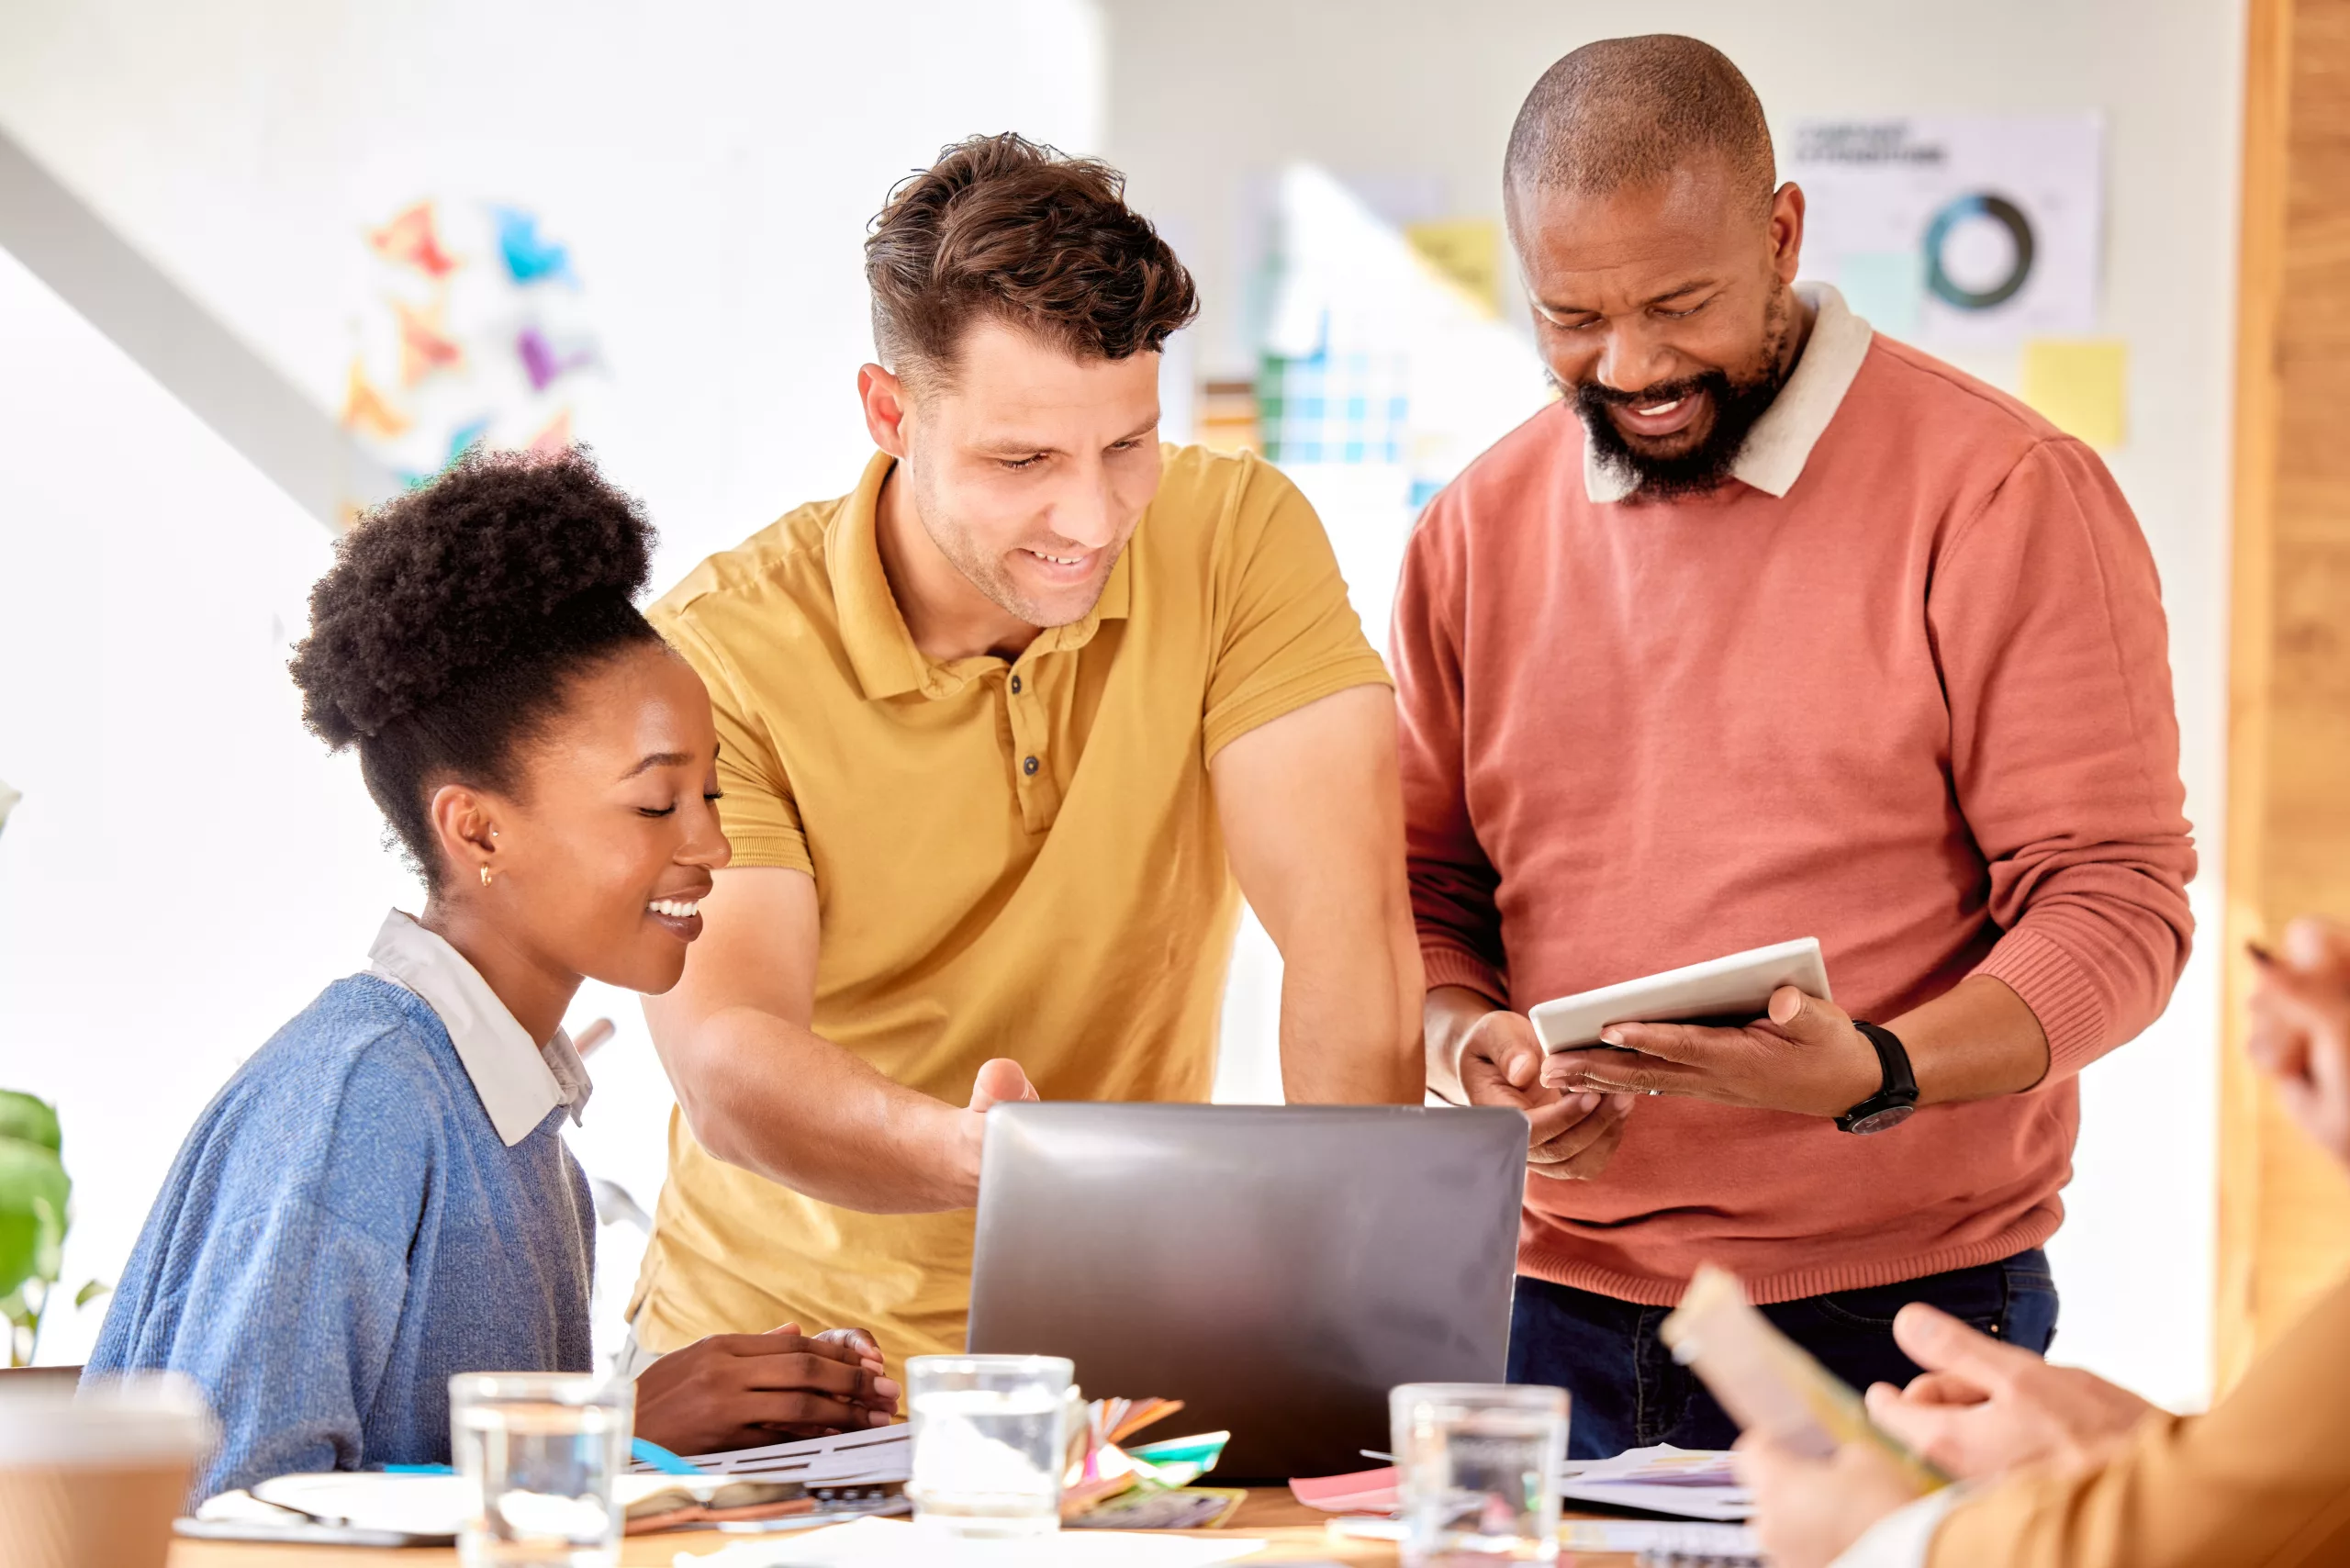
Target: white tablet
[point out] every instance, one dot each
(1735, 990)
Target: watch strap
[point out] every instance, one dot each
(1898, 1088)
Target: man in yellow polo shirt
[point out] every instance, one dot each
(1006, 732)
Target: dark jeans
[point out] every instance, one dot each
(1628, 1392)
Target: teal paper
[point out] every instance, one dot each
(1885, 288)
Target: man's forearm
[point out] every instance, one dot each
(1350, 1025)
(785, 1102)
(1976, 1041)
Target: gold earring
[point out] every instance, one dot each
(485, 876)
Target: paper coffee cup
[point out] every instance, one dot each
(97, 1477)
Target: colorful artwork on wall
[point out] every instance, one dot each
(529, 258)
(411, 240)
(460, 342)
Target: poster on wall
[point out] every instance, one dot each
(1957, 229)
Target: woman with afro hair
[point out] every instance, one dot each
(381, 1196)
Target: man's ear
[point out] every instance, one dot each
(1786, 231)
(466, 826)
(884, 398)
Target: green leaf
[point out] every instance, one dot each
(33, 1195)
(33, 1121)
(91, 1290)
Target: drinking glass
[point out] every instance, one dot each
(1478, 1467)
(990, 1442)
(540, 1449)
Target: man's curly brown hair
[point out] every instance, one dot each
(442, 639)
(1002, 229)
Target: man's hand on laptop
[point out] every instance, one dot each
(1803, 1055)
(1571, 1136)
(1000, 1081)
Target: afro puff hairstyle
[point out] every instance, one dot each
(444, 636)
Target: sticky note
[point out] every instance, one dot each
(1364, 1489)
(1884, 288)
(2080, 385)
(1468, 250)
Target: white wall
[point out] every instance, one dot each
(1413, 102)
(188, 867)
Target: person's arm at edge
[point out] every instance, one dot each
(761, 1090)
(1313, 827)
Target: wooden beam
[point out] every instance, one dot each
(2284, 1214)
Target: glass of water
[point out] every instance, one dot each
(990, 1438)
(1478, 1467)
(540, 1449)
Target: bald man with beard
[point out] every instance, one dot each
(1772, 627)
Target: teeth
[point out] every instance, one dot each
(677, 907)
(1058, 560)
(1655, 409)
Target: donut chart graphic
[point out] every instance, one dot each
(2000, 210)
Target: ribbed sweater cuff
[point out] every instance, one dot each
(2061, 993)
(1451, 966)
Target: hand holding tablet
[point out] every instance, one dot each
(1754, 1029)
(1728, 991)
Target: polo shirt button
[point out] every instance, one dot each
(1015, 686)
(1028, 766)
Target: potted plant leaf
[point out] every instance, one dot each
(35, 1197)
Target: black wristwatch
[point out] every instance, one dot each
(1897, 1101)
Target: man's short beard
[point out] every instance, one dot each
(984, 572)
(1737, 406)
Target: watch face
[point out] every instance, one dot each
(1884, 1121)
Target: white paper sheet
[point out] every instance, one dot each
(417, 1505)
(1695, 1483)
(1720, 1542)
(885, 1454)
(886, 1543)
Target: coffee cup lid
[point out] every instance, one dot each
(144, 1418)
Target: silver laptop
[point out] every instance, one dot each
(1276, 1268)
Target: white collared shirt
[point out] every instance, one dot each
(1781, 442)
(519, 1081)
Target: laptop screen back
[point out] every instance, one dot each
(1276, 1268)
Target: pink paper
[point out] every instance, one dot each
(1364, 1492)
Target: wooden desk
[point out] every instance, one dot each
(1294, 1534)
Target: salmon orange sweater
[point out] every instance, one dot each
(1918, 706)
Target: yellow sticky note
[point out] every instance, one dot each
(1468, 250)
(2081, 385)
